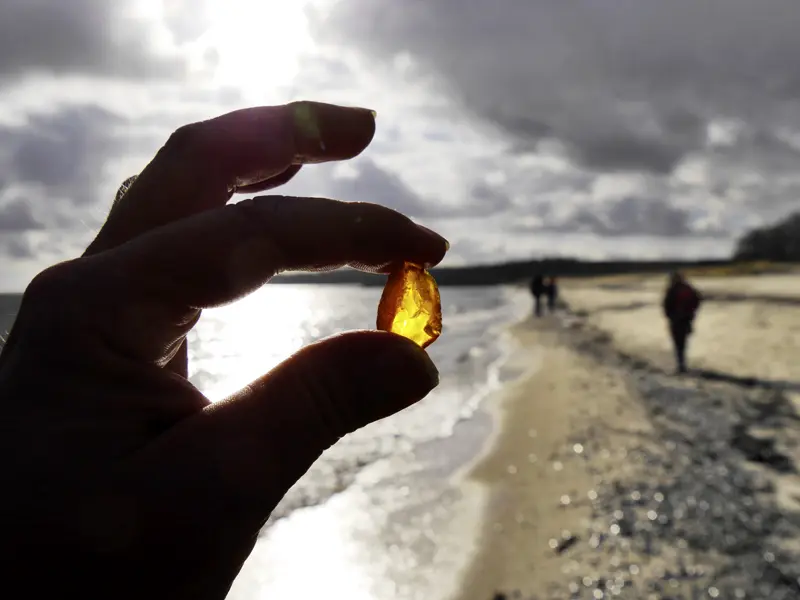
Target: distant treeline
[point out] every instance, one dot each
(779, 242)
(775, 243)
(510, 272)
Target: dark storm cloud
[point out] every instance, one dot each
(369, 182)
(483, 192)
(87, 37)
(372, 183)
(760, 150)
(632, 216)
(619, 85)
(16, 216)
(17, 246)
(608, 144)
(621, 153)
(487, 200)
(629, 216)
(61, 154)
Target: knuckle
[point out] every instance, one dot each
(50, 307)
(266, 219)
(187, 138)
(52, 282)
(123, 188)
(263, 217)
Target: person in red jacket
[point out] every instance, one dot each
(681, 302)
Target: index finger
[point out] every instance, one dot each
(225, 254)
(202, 164)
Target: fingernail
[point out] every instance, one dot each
(325, 132)
(305, 122)
(433, 234)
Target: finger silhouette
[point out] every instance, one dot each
(156, 283)
(252, 149)
(212, 481)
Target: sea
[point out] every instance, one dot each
(234, 344)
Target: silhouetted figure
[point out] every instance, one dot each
(681, 302)
(537, 289)
(551, 289)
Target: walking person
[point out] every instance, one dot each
(537, 289)
(551, 289)
(680, 305)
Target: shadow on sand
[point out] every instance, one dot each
(750, 382)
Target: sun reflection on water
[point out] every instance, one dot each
(364, 521)
(234, 344)
(316, 553)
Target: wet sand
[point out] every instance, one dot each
(539, 499)
(611, 477)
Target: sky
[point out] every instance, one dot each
(516, 128)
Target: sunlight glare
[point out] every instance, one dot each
(235, 344)
(259, 43)
(332, 541)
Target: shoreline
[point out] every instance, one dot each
(528, 485)
(399, 523)
(683, 486)
(590, 470)
(474, 373)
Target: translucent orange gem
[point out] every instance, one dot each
(410, 305)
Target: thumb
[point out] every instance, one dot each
(228, 466)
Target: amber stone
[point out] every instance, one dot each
(410, 305)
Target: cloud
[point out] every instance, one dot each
(86, 37)
(186, 19)
(17, 216)
(487, 199)
(628, 85)
(365, 181)
(60, 171)
(63, 155)
(18, 247)
(518, 128)
(488, 240)
(761, 150)
(61, 151)
(631, 216)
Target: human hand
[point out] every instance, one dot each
(121, 480)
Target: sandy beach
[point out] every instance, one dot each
(608, 476)
(595, 472)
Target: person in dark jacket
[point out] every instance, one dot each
(537, 289)
(680, 305)
(551, 289)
